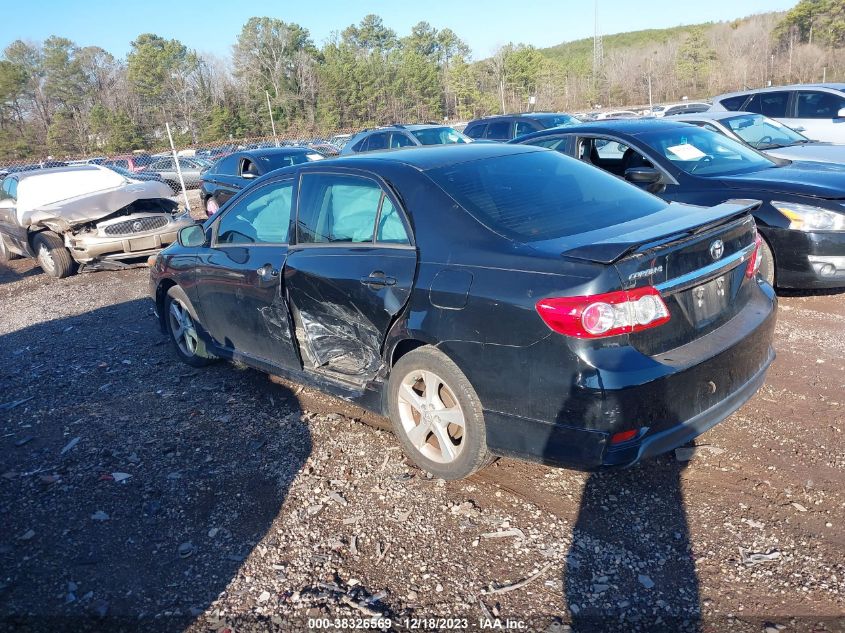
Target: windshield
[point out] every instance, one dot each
(763, 133)
(704, 153)
(439, 136)
(542, 195)
(556, 120)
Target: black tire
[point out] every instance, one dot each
(189, 349)
(5, 254)
(453, 390)
(53, 257)
(767, 263)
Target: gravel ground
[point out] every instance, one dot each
(139, 494)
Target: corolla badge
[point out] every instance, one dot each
(648, 272)
(717, 249)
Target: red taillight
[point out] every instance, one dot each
(754, 261)
(623, 436)
(607, 314)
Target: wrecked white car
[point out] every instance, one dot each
(84, 216)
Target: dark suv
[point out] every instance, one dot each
(508, 126)
(399, 136)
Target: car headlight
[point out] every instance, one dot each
(804, 217)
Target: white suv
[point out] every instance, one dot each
(815, 110)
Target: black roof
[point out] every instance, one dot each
(434, 156)
(276, 151)
(632, 127)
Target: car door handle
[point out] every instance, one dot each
(267, 272)
(377, 278)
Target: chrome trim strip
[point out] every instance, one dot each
(706, 273)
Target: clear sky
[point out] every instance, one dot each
(213, 25)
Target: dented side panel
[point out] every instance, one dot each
(341, 320)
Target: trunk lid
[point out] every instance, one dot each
(696, 261)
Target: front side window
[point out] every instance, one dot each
(476, 131)
(769, 104)
(439, 136)
(337, 208)
(763, 133)
(260, 217)
(163, 164)
(498, 130)
(227, 166)
(705, 153)
(819, 105)
(524, 127)
(399, 139)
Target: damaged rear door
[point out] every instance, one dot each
(350, 273)
(239, 282)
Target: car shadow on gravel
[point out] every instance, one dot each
(630, 566)
(17, 269)
(132, 487)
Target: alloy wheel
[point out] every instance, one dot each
(182, 328)
(45, 259)
(431, 416)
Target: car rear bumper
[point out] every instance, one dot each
(808, 259)
(668, 400)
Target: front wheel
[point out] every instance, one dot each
(184, 329)
(437, 415)
(53, 257)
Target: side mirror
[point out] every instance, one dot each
(191, 236)
(841, 113)
(643, 175)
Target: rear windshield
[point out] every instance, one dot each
(543, 195)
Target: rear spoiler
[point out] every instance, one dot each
(675, 219)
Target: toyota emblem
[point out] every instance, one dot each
(717, 248)
(138, 227)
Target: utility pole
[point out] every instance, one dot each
(650, 102)
(598, 53)
(272, 122)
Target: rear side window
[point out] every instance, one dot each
(498, 131)
(772, 104)
(337, 208)
(543, 195)
(377, 141)
(390, 229)
(818, 105)
(476, 131)
(734, 103)
(361, 146)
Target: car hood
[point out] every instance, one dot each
(819, 180)
(814, 152)
(91, 206)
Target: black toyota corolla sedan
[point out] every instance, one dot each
(489, 299)
(802, 215)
